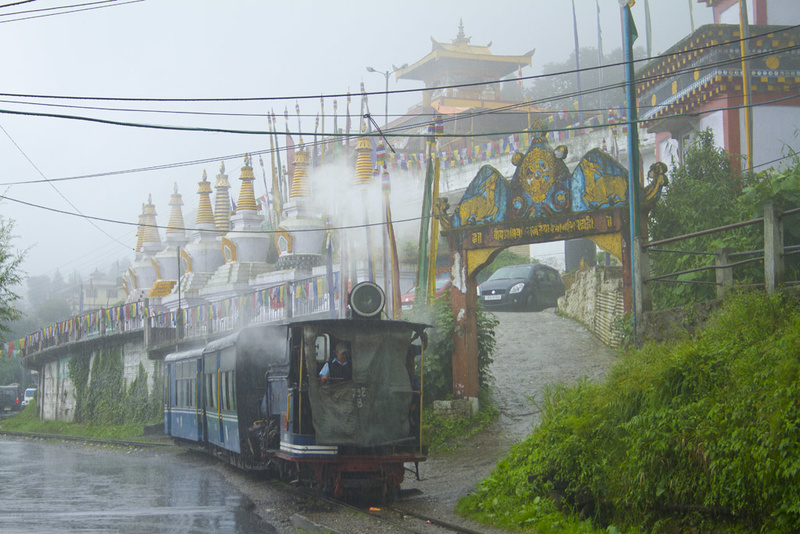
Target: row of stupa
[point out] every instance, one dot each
(232, 253)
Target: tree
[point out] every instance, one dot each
(506, 257)
(782, 188)
(545, 90)
(10, 276)
(52, 311)
(703, 193)
(39, 289)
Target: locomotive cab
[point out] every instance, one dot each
(353, 433)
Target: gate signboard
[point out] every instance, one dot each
(555, 228)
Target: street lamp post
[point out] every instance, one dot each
(385, 96)
(386, 75)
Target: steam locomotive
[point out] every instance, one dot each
(254, 398)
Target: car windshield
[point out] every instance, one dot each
(441, 282)
(511, 272)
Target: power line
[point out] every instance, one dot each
(200, 230)
(482, 112)
(396, 91)
(344, 227)
(17, 4)
(53, 185)
(110, 3)
(41, 10)
(283, 149)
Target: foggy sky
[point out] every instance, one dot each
(204, 49)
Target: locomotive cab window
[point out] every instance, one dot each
(339, 365)
(323, 348)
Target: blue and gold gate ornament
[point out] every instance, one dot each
(544, 201)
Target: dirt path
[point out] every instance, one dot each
(533, 350)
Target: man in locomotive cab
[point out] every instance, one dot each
(340, 368)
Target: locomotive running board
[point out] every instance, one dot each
(309, 450)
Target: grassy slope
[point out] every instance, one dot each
(28, 421)
(699, 433)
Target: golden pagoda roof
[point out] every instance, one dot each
(247, 196)
(462, 60)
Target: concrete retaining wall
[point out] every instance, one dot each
(594, 297)
(56, 395)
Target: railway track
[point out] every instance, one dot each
(389, 517)
(114, 442)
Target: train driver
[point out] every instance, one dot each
(340, 368)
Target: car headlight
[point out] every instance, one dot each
(516, 288)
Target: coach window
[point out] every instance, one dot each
(232, 390)
(211, 394)
(225, 401)
(190, 392)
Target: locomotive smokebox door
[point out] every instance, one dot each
(367, 300)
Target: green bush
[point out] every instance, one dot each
(443, 433)
(702, 435)
(103, 399)
(438, 364)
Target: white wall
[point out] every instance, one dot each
(774, 129)
(781, 12)
(715, 122)
(731, 15)
(784, 12)
(57, 393)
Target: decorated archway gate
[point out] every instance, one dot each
(542, 202)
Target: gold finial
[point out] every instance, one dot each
(461, 38)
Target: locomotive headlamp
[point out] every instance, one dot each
(367, 300)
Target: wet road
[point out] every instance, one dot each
(57, 487)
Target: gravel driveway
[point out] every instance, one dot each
(533, 350)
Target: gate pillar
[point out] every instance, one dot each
(464, 268)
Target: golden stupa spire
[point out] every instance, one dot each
(363, 161)
(222, 203)
(300, 184)
(176, 226)
(140, 231)
(204, 213)
(247, 197)
(151, 234)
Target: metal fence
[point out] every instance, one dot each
(273, 304)
(773, 256)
